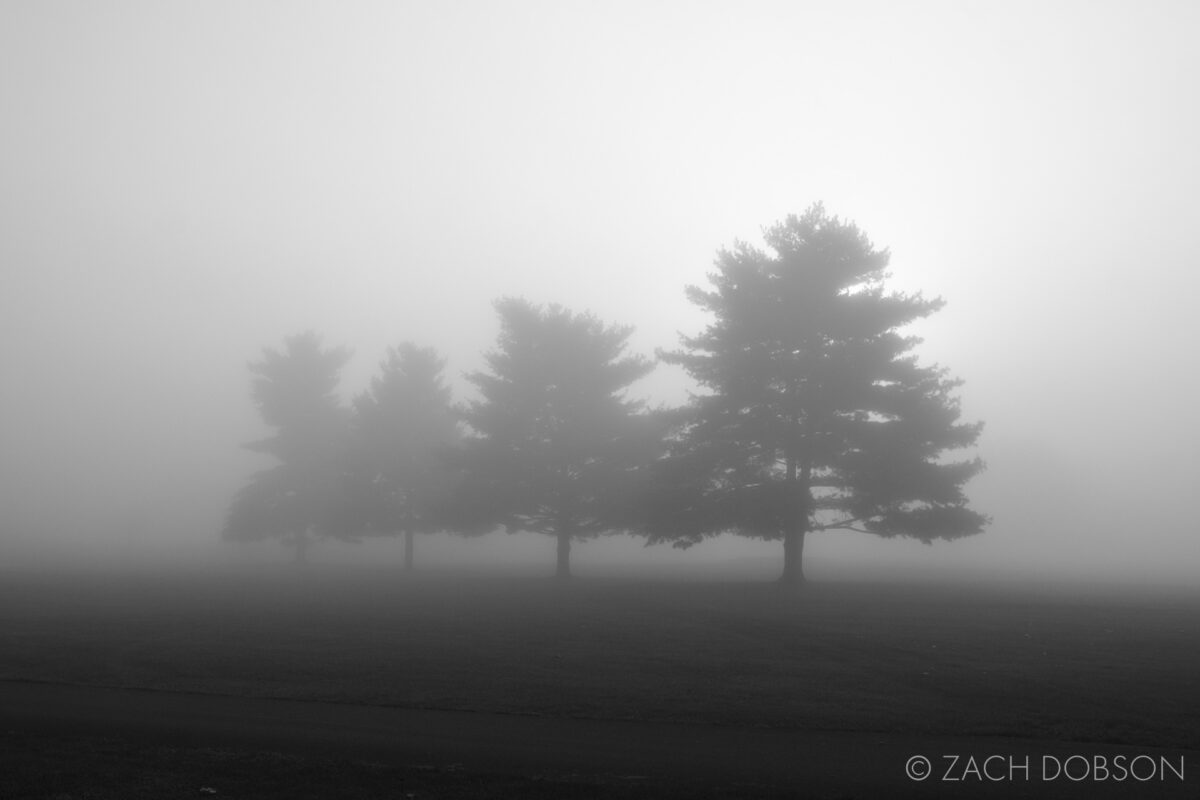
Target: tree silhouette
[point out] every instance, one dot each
(405, 428)
(558, 444)
(306, 494)
(815, 414)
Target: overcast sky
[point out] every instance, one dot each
(183, 184)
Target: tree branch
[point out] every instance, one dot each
(843, 524)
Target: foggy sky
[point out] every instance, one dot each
(183, 184)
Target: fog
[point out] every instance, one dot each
(184, 184)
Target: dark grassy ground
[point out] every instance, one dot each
(845, 656)
(97, 768)
(972, 661)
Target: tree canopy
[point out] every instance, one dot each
(814, 412)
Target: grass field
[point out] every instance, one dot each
(1079, 664)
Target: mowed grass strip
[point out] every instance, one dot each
(836, 656)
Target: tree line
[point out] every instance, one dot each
(812, 414)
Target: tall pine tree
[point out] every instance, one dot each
(558, 445)
(405, 429)
(305, 494)
(814, 413)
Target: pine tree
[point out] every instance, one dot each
(305, 494)
(558, 444)
(815, 414)
(405, 429)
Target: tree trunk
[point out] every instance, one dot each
(793, 557)
(564, 552)
(793, 539)
(408, 550)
